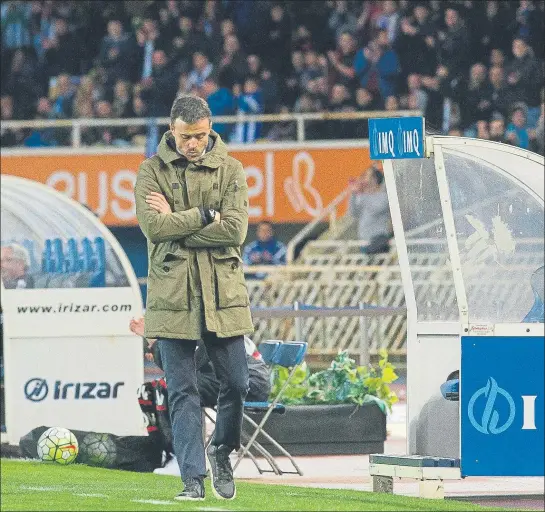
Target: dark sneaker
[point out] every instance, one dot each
(221, 473)
(193, 490)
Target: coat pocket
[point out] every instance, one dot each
(231, 291)
(168, 284)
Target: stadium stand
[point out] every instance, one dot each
(473, 68)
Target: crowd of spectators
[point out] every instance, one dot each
(472, 67)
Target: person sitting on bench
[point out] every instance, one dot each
(207, 383)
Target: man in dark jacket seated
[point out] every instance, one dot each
(207, 383)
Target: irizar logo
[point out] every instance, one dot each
(37, 389)
(490, 421)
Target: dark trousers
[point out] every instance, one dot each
(229, 359)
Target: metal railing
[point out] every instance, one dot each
(362, 311)
(76, 125)
(329, 211)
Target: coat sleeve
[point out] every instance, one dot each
(160, 227)
(233, 226)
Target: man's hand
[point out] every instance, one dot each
(137, 326)
(158, 202)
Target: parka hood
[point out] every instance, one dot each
(212, 159)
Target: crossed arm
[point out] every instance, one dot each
(160, 224)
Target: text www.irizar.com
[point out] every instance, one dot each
(75, 308)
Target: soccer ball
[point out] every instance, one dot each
(59, 445)
(98, 450)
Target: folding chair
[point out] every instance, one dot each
(267, 350)
(289, 355)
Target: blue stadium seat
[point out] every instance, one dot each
(267, 350)
(290, 354)
(72, 256)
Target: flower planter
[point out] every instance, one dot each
(325, 429)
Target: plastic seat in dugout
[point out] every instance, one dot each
(54, 233)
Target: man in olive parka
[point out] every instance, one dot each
(192, 206)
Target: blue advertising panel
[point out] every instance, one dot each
(502, 406)
(396, 138)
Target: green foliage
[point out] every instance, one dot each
(297, 387)
(342, 383)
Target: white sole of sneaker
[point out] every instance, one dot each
(211, 473)
(188, 499)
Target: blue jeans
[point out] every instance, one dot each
(228, 357)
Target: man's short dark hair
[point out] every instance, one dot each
(189, 109)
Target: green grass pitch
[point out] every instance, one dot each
(47, 486)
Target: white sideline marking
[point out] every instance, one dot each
(211, 509)
(90, 495)
(39, 489)
(154, 502)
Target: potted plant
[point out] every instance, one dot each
(340, 410)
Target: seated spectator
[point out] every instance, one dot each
(221, 103)
(368, 206)
(202, 69)
(415, 44)
(137, 134)
(62, 96)
(266, 250)
(269, 90)
(86, 95)
(275, 47)
(253, 63)
(414, 86)
(525, 71)
(478, 100)
(62, 51)
(497, 128)
(116, 53)
(259, 372)
(47, 136)
(146, 39)
(342, 60)
(122, 103)
(8, 136)
(377, 67)
(22, 85)
(454, 44)
(364, 101)
(501, 97)
(233, 62)
(311, 70)
(340, 101)
(159, 89)
(517, 130)
(391, 104)
(104, 135)
(389, 20)
(249, 102)
(15, 266)
(282, 130)
(302, 40)
(341, 19)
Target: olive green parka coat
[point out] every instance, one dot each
(192, 265)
